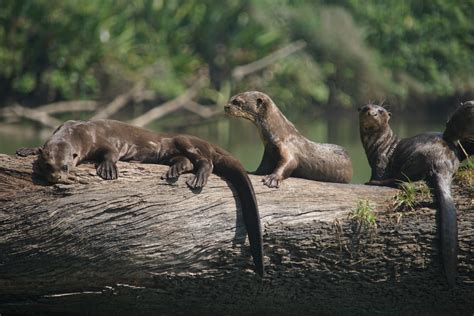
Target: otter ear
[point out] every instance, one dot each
(40, 150)
(74, 156)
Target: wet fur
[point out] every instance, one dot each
(287, 152)
(433, 157)
(108, 141)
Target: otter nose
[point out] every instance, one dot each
(372, 112)
(54, 177)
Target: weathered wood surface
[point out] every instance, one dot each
(139, 245)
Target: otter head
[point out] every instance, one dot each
(249, 105)
(373, 117)
(55, 161)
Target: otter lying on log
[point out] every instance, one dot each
(109, 141)
(433, 157)
(287, 151)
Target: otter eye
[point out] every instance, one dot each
(380, 111)
(259, 102)
(235, 102)
(64, 168)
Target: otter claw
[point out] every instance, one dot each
(194, 183)
(171, 174)
(107, 170)
(198, 181)
(169, 177)
(177, 169)
(272, 181)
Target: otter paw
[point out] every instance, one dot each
(107, 170)
(272, 181)
(173, 173)
(26, 151)
(197, 181)
(194, 183)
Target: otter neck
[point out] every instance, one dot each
(274, 127)
(378, 143)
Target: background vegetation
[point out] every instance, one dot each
(413, 53)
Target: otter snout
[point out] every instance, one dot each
(234, 106)
(372, 112)
(53, 177)
(56, 177)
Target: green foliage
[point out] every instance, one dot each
(469, 164)
(357, 50)
(465, 173)
(428, 43)
(364, 215)
(49, 49)
(409, 195)
(406, 198)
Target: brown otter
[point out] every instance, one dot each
(433, 157)
(108, 141)
(287, 152)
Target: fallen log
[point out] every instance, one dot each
(241, 71)
(19, 111)
(42, 114)
(171, 105)
(141, 245)
(69, 106)
(118, 103)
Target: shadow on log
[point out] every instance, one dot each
(141, 245)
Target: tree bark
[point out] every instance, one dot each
(141, 245)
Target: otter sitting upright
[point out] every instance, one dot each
(287, 152)
(433, 157)
(108, 141)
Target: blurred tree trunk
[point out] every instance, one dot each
(141, 245)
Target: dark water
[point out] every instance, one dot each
(241, 139)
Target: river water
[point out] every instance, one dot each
(240, 137)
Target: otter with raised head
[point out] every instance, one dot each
(433, 157)
(108, 141)
(287, 152)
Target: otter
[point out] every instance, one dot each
(108, 141)
(433, 157)
(287, 152)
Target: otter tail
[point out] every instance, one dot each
(460, 127)
(448, 226)
(234, 172)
